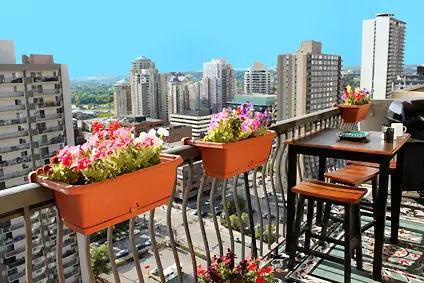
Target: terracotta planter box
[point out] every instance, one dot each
(354, 113)
(225, 160)
(90, 208)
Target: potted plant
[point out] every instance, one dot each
(224, 270)
(237, 140)
(356, 104)
(109, 179)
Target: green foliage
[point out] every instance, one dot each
(266, 236)
(231, 204)
(91, 94)
(235, 221)
(99, 256)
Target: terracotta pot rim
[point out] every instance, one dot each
(354, 106)
(80, 189)
(200, 143)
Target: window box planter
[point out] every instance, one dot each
(90, 208)
(354, 113)
(225, 160)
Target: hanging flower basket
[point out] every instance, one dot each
(90, 208)
(225, 160)
(354, 113)
(237, 141)
(110, 179)
(356, 104)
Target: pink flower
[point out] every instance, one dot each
(83, 163)
(66, 159)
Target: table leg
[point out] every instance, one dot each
(321, 172)
(380, 218)
(291, 205)
(396, 197)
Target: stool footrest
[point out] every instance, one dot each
(327, 239)
(368, 226)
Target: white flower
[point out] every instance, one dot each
(157, 141)
(152, 132)
(163, 132)
(142, 135)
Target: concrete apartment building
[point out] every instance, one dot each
(219, 83)
(122, 98)
(178, 95)
(307, 80)
(35, 111)
(383, 48)
(197, 120)
(257, 80)
(35, 121)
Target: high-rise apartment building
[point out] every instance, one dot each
(35, 122)
(219, 83)
(144, 79)
(307, 80)
(122, 98)
(383, 45)
(178, 97)
(257, 80)
(35, 111)
(194, 95)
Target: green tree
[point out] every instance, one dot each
(231, 205)
(266, 236)
(99, 257)
(235, 221)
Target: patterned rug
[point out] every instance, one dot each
(403, 262)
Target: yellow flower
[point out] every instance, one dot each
(349, 89)
(357, 90)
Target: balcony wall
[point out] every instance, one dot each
(264, 191)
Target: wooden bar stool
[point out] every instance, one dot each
(353, 175)
(350, 198)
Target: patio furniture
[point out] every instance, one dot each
(326, 144)
(347, 196)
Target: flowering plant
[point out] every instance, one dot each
(233, 125)
(107, 154)
(357, 97)
(223, 270)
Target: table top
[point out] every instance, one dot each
(328, 139)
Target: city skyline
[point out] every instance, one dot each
(85, 40)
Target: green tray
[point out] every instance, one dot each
(353, 135)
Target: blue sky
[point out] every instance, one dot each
(102, 37)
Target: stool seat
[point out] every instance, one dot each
(353, 174)
(371, 164)
(337, 193)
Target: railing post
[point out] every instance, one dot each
(84, 257)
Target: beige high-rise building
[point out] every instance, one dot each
(35, 114)
(257, 80)
(122, 98)
(144, 80)
(35, 122)
(307, 80)
(383, 47)
(178, 96)
(194, 95)
(219, 83)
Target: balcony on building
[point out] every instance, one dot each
(11, 94)
(270, 195)
(17, 134)
(12, 108)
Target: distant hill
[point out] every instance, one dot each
(357, 69)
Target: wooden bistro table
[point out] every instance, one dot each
(326, 144)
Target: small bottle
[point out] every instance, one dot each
(389, 135)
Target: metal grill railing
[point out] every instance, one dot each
(200, 237)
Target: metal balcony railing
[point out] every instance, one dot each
(46, 92)
(11, 94)
(47, 104)
(13, 135)
(21, 173)
(17, 160)
(48, 117)
(6, 149)
(263, 189)
(11, 81)
(54, 140)
(11, 108)
(50, 129)
(13, 122)
(46, 79)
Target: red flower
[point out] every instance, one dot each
(96, 127)
(147, 266)
(269, 269)
(54, 160)
(260, 279)
(83, 163)
(200, 270)
(252, 266)
(113, 126)
(67, 159)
